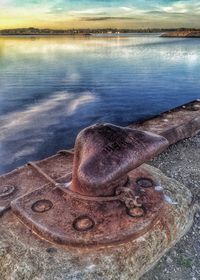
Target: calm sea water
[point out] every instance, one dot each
(50, 88)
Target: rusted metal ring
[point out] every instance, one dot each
(6, 191)
(89, 198)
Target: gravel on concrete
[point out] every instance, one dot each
(181, 162)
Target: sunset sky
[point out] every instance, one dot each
(66, 14)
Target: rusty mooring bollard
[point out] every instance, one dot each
(110, 198)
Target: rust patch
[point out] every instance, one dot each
(27, 179)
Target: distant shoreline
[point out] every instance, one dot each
(182, 34)
(96, 35)
(91, 32)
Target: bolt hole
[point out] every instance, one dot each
(42, 206)
(145, 183)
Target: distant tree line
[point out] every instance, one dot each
(88, 31)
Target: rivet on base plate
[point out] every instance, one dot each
(83, 223)
(136, 212)
(6, 191)
(42, 206)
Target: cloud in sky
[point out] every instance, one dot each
(99, 13)
(106, 18)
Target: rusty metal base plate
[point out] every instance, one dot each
(62, 218)
(27, 179)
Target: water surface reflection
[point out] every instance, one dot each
(50, 88)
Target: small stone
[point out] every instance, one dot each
(169, 260)
(3, 251)
(174, 253)
(51, 250)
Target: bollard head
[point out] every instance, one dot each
(105, 153)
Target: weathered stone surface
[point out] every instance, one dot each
(25, 256)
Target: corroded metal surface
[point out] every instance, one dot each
(105, 153)
(68, 219)
(105, 202)
(26, 179)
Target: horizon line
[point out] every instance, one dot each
(104, 28)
